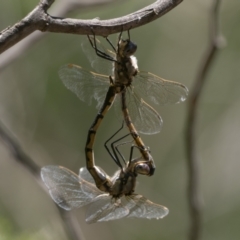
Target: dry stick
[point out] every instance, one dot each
(60, 8)
(72, 229)
(40, 20)
(194, 195)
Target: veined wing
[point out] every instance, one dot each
(106, 208)
(97, 63)
(145, 118)
(65, 187)
(144, 208)
(85, 84)
(159, 90)
(85, 175)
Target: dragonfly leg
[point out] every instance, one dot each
(115, 147)
(118, 151)
(111, 44)
(113, 154)
(131, 153)
(128, 33)
(99, 52)
(119, 39)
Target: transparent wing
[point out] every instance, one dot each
(106, 208)
(158, 90)
(145, 118)
(97, 63)
(144, 208)
(65, 187)
(85, 84)
(88, 184)
(85, 175)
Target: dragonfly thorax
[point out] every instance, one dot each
(123, 183)
(124, 180)
(139, 166)
(125, 67)
(126, 48)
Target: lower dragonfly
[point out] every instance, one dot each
(117, 201)
(70, 191)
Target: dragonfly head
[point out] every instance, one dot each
(151, 164)
(141, 166)
(152, 170)
(126, 48)
(148, 159)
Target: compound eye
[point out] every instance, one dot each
(130, 49)
(142, 168)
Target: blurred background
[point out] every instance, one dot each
(51, 123)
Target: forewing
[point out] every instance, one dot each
(85, 175)
(88, 184)
(85, 84)
(159, 90)
(105, 208)
(144, 208)
(145, 118)
(65, 187)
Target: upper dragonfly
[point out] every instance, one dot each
(129, 81)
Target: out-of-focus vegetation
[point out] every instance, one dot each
(9, 231)
(51, 125)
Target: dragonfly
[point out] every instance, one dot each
(109, 198)
(128, 80)
(88, 85)
(71, 191)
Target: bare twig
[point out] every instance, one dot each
(40, 20)
(70, 223)
(194, 195)
(60, 8)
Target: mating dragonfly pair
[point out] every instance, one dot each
(111, 198)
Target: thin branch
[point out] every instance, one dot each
(72, 229)
(60, 8)
(40, 20)
(194, 195)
